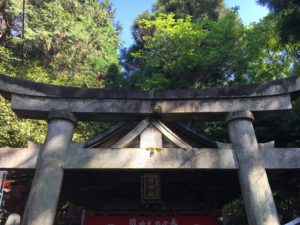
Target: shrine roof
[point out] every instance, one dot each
(10, 85)
(196, 139)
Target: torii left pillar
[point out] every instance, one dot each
(46, 186)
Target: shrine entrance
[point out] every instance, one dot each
(150, 163)
(100, 196)
(138, 196)
(115, 196)
(179, 193)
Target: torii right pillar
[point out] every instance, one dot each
(255, 187)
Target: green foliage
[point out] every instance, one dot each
(17, 132)
(286, 201)
(289, 12)
(194, 8)
(67, 38)
(114, 78)
(185, 54)
(235, 213)
(286, 205)
(10, 21)
(72, 37)
(268, 58)
(66, 43)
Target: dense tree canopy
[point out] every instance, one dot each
(289, 23)
(181, 9)
(269, 58)
(193, 8)
(183, 54)
(65, 37)
(66, 43)
(172, 52)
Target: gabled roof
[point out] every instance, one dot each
(127, 134)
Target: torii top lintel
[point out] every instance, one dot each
(35, 100)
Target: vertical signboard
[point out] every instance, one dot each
(150, 188)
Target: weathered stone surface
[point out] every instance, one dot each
(141, 159)
(19, 158)
(9, 85)
(77, 157)
(45, 189)
(120, 109)
(13, 219)
(63, 115)
(151, 138)
(281, 158)
(238, 115)
(255, 187)
(35, 100)
(267, 145)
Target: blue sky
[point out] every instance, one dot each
(128, 10)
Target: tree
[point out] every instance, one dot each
(289, 23)
(181, 53)
(10, 20)
(66, 43)
(67, 38)
(187, 53)
(194, 8)
(268, 58)
(72, 37)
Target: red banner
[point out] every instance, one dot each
(151, 220)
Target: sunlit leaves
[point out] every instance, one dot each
(66, 42)
(187, 53)
(269, 58)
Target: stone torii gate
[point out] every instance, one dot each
(62, 107)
